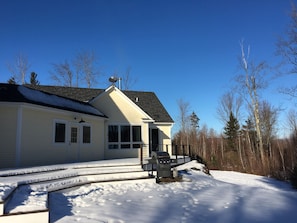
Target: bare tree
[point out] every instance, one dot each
(184, 120)
(19, 68)
(228, 104)
(250, 83)
(85, 63)
(292, 124)
(268, 116)
(62, 74)
(287, 49)
(83, 68)
(127, 80)
(292, 121)
(203, 135)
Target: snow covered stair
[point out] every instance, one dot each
(24, 193)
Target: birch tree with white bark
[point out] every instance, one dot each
(19, 68)
(86, 69)
(81, 70)
(251, 82)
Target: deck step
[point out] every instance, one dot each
(32, 195)
(26, 200)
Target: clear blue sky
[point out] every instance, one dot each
(179, 49)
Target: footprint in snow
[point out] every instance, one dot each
(185, 207)
(186, 213)
(195, 201)
(226, 205)
(184, 219)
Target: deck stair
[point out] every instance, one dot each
(26, 200)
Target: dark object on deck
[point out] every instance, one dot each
(163, 161)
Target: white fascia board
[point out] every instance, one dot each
(145, 120)
(164, 123)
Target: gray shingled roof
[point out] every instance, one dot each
(147, 101)
(21, 93)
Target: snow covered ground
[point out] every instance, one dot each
(223, 197)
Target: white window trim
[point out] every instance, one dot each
(82, 136)
(66, 131)
(119, 143)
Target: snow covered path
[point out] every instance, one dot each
(226, 197)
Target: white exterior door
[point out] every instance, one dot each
(74, 142)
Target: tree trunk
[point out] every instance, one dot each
(281, 155)
(258, 131)
(240, 152)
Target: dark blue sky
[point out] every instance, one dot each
(180, 49)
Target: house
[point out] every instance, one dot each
(42, 125)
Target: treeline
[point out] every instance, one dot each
(250, 141)
(82, 69)
(280, 157)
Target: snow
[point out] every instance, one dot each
(223, 196)
(54, 100)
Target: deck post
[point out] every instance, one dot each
(141, 154)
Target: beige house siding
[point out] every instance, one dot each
(27, 131)
(8, 123)
(37, 137)
(36, 145)
(165, 137)
(121, 111)
(118, 107)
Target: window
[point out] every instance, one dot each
(73, 134)
(113, 146)
(86, 134)
(136, 133)
(113, 136)
(125, 133)
(60, 132)
(124, 136)
(113, 133)
(136, 137)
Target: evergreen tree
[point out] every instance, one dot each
(11, 81)
(194, 121)
(231, 131)
(33, 79)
